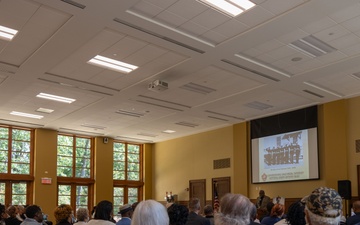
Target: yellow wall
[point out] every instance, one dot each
(191, 158)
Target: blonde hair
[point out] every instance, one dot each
(62, 213)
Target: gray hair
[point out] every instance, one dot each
(194, 204)
(235, 209)
(150, 212)
(82, 214)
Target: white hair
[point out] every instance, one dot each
(150, 212)
(321, 220)
(235, 209)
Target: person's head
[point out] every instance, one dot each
(296, 214)
(194, 205)
(261, 193)
(269, 206)
(34, 212)
(150, 212)
(12, 211)
(21, 209)
(356, 206)
(126, 210)
(63, 213)
(253, 212)
(277, 210)
(208, 210)
(133, 206)
(177, 214)
(82, 214)
(103, 210)
(234, 210)
(3, 214)
(323, 207)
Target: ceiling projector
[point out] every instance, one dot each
(158, 86)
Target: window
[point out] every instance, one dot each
(127, 173)
(16, 150)
(75, 170)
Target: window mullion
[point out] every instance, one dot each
(9, 150)
(74, 158)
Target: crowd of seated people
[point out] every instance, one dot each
(323, 206)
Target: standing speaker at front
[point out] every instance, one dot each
(344, 189)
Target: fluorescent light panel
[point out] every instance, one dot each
(230, 7)
(112, 64)
(7, 33)
(55, 98)
(169, 131)
(26, 115)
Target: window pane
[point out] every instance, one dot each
(83, 142)
(64, 194)
(19, 168)
(82, 173)
(23, 135)
(65, 140)
(81, 196)
(118, 198)
(20, 157)
(132, 195)
(119, 175)
(119, 147)
(4, 144)
(64, 171)
(133, 158)
(22, 146)
(2, 193)
(134, 149)
(135, 167)
(65, 150)
(3, 167)
(19, 193)
(64, 161)
(119, 156)
(133, 176)
(4, 132)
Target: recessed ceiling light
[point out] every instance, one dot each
(230, 7)
(169, 131)
(26, 115)
(55, 98)
(7, 33)
(112, 64)
(43, 110)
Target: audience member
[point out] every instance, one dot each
(194, 218)
(12, 211)
(235, 209)
(262, 200)
(253, 215)
(21, 212)
(269, 206)
(126, 212)
(209, 213)
(3, 214)
(356, 217)
(178, 214)
(295, 215)
(63, 214)
(276, 214)
(133, 206)
(102, 215)
(323, 207)
(82, 216)
(150, 212)
(34, 215)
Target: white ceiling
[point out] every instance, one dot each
(247, 63)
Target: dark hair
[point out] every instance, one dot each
(296, 214)
(32, 210)
(269, 206)
(208, 210)
(178, 214)
(2, 208)
(253, 212)
(194, 204)
(103, 210)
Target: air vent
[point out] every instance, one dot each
(147, 134)
(357, 146)
(250, 70)
(96, 127)
(44, 110)
(159, 36)
(76, 4)
(221, 163)
(160, 100)
(66, 130)
(258, 105)
(312, 46)
(123, 138)
(187, 124)
(158, 105)
(313, 93)
(217, 118)
(221, 114)
(197, 88)
(129, 113)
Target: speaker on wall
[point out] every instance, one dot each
(344, 189)
(105, 140)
